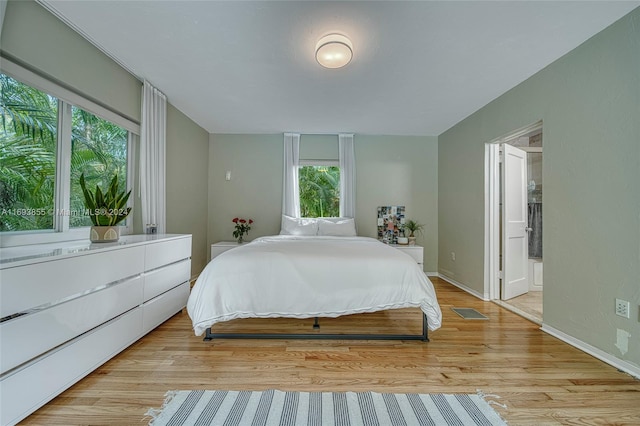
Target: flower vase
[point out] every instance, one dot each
(240, 240)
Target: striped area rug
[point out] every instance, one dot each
(274, 407)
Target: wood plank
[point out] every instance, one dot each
(540, 379)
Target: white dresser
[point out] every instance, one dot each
(67, 308)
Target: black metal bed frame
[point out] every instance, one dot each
(318, 336)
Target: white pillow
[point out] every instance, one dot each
(298, 226)
(339, 228)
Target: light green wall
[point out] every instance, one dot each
(399, 170)
(187, 186)
(34, 37)
(39, 41)
(589, 102)
(389, 170)
(255, 189)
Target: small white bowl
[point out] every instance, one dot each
(403, 240)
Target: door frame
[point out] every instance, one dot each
(492, 208)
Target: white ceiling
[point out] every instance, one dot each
(418, 68)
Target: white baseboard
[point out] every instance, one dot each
(464, 287)
(432, 274)
(616, 362)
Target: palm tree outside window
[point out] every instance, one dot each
(30, 146)
(319, 191)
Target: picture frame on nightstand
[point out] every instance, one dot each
(390, 223)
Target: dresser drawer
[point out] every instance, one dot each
(30, 335)
(160, 280)
(29, 286)
(158, 310)
(165, 252)
(28, 389)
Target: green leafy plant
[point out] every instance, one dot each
(413, 227)
(319, 191)
(106, 208)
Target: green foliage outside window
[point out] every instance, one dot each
(28, 136)
(28, 145)
(99, 150)
(319, 191)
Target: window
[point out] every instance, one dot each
(29, 129)
(319, 191)
(48, 137)
(99, 150)
(316, 188)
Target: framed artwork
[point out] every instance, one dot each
(390, 223)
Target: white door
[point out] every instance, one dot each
(515, 277)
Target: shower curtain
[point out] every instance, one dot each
(535, 235)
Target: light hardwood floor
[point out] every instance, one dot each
(541, 380)
(528, 305)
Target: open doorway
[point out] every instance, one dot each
(513, 221)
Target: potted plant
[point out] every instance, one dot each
(413, 227)
(106, 210)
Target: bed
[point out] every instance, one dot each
(310, 276)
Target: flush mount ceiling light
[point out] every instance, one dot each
(334, 51)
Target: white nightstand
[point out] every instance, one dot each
(219, 248)
(417, 252)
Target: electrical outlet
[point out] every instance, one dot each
(453, 256)
(622, 308)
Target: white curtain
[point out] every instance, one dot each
(290, 190)
(347, 175)
(152, 157)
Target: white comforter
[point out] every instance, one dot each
(304, 277)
